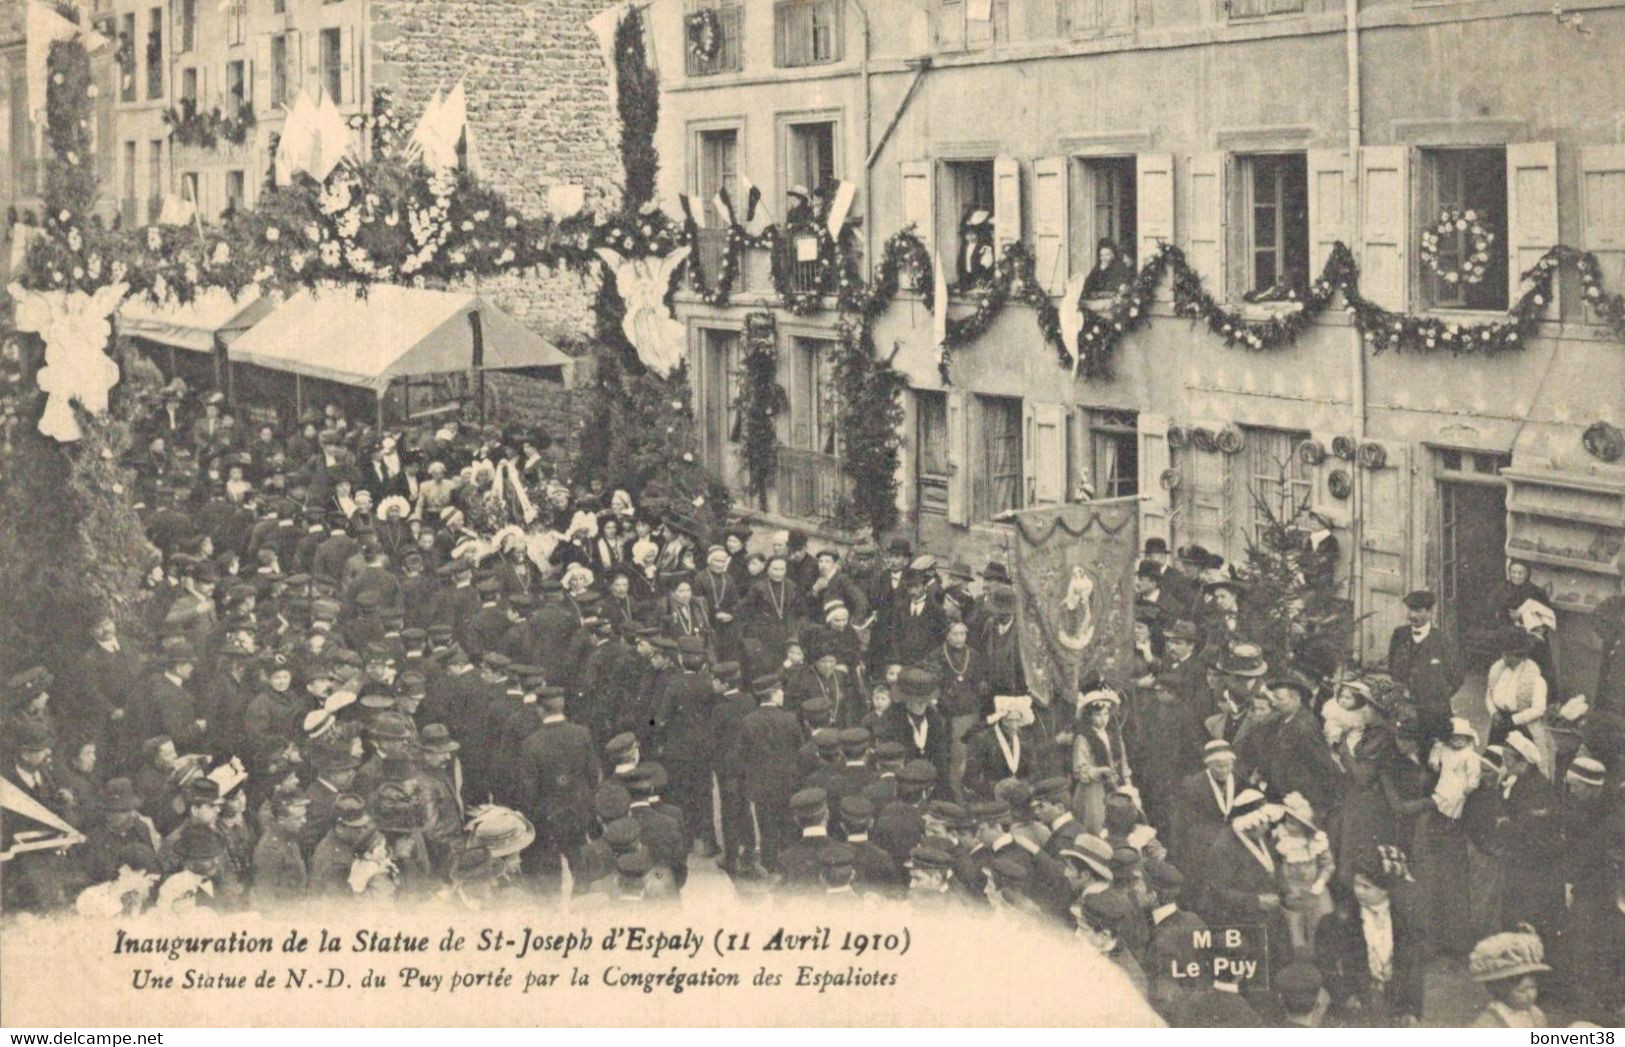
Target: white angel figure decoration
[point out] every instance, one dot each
(75, 328)
(643, 283)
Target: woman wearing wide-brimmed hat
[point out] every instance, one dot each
(1505, 965)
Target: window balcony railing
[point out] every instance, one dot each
(810, 486)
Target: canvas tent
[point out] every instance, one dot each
(387, 339)
(189, 340)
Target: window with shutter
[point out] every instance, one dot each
(917, 195)
(1385, 226)
(806, 32)
(1531, 177)
(1051, 222)
(729, 52)
(1279, 482)
(998, 479)
(1105, 207)
(971, 24)
(279, 69)
(969, 213)
(1154, 207)
(1469, 180)
(1206, 217)
(1086, 19)
(1115, 449)
(1274, 224)
(1328, 204)
(1602, 208)
(932, 465)
(332, 63)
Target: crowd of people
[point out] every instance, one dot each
(429, 664)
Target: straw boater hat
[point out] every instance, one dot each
(1509, 954)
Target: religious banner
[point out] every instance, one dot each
(1074, 570)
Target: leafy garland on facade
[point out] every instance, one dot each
(206, 128)
(385, 220)
(760, 401)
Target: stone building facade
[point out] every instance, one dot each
(1252, 135)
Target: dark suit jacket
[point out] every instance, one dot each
(1431, 670)
(769, 736)
(1296, 759)
(560, 771)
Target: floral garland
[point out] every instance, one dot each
(760, 401)
(1475, 263)
(704, 31)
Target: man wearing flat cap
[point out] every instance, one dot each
(798, 863)
(559, 770)
(1427, 662)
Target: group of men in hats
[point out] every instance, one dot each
(411, 665)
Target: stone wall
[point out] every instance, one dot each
(552, 407)
(540, 109)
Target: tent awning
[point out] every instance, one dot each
(194, 325)
(393, 332)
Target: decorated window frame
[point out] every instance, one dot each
(713, 37)
(1466, 187)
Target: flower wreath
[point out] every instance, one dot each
(704, 34)
(1473, 266)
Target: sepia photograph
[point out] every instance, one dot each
(812, 513)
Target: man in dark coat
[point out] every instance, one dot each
(769, 737)
(1295, 757)
(560, 771)
(106, 675)
(918, 622)
(1000, 644)
(1164, 737)
(689, 699)
(1428, 663)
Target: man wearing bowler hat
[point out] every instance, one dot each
(914, 722)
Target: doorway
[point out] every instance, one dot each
(1473, 534)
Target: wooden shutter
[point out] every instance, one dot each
(1385, 226)
(1044, 453)
(261, 76)
(347, 67)
(918, 199)
(1384, 498)
(1006, 202)
(1156, 504)
(1205, 219)
(296, 62)
(251, 89)
(1531, 212)
(1602, 211)
(1154, 204)
(958, 457)
(1051, 216)
(1328, 205)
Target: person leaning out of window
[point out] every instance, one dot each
(1110, 273)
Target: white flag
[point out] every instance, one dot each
(603, 26)
(441, 127)
(329, 140)
(840, 207)
(176, 210)
(293, 148)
